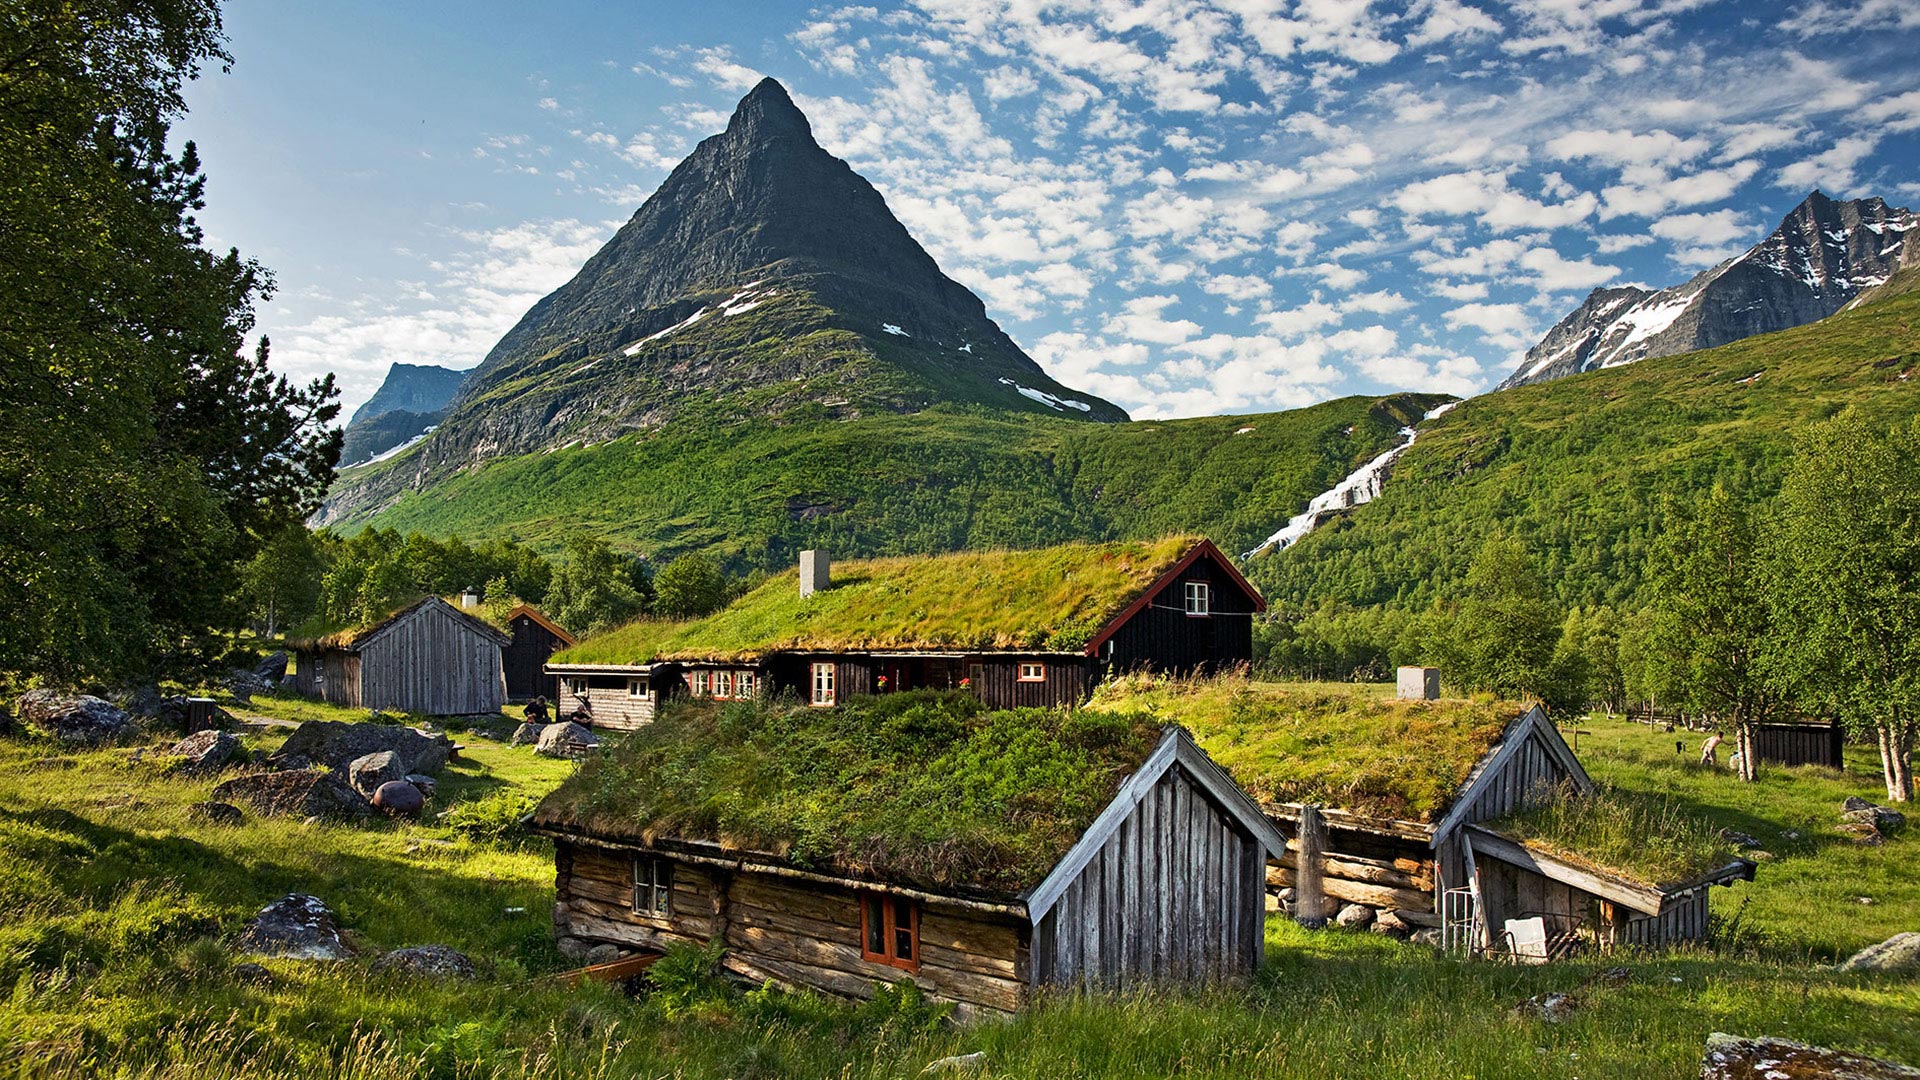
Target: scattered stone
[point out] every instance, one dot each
(571, 947)
(1863, 901)
(297, 926)
(398, 798)
(429, 961)
(141, 702)
(527, 734)
(306, 793)
(243, 684)
(1355, 917)
(1881, 818)
(1427, 936)
(1901, 952)
(1738, 839)
(1732, 1057)
(204, 751)
(367, 772)
(425, 783)
(602, 953)
(1551, 1007)
(255, 974)
(336, 745)
(1863, 833)
(75, 719)
(215, 813)
(1790, 834)
(273, 667)
(1391, 924)
(958, 1063)
(566, 740)
(1855, 802)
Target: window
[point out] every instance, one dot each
(1033, 673)
(577, 687)
(723, 684)
(823, 684)
(636, 688)
(1198, 594)
(652, 886)
(702, 682)
(743, 684)
(890, 930)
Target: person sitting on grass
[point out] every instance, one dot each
(537, 710)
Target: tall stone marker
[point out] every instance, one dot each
(1419, 684)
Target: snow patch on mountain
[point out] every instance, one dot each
(1058, 404)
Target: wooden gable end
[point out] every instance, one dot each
(1157, 630)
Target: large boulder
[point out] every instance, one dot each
(336, 745)
(1355, 917)
(204, 752)
(243, 684)
(273, 667)
(566, 740)
(430, 961)
(1732, 1057)
(424, 782)
(302, 793)
(367, 772)
(1901, 952)
(1883, 820)
(75, 719)
(399, 798)
(527, 734)
(296, 926)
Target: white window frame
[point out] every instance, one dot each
(653, 888)
(1199, 599)
(745, 684)
(701, 683)
(637, 688)
(824, 690)
(577, 685)
(1032, 672)
(723, 684)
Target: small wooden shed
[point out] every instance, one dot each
(524, 659)
(1803, 743)
(429, 658)
(1161, 879)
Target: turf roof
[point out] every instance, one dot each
(1344, 747)
(321, 635)
(1643, 838)
(925, 789)
(1053, 599)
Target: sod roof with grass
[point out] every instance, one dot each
(320, 635)
(1346, 747)
(1052, 599)
(1641, 837)
(926, 789)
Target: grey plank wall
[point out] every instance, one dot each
(433, 663)
(1177, 893)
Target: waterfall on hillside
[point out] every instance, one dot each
(1361, 486)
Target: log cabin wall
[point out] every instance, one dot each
(1162, 636)
(1685, 919)
(431, 661)
(609, 698)
(525, 659)
(1177, 893)
(1386, 872)
(1512, 892)
(799, 933)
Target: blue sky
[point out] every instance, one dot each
(1188, 207)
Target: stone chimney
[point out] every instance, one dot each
(469, 598)
(813, 573)
(1419, 684)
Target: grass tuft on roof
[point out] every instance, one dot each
(1643, 837)
(925, 788)
(1053, 599)
(1343, 746)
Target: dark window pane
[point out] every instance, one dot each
(876, 925)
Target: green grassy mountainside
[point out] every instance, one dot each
(1579, 467)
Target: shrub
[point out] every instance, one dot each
(494, 818)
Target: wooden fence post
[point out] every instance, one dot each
(1309, 887)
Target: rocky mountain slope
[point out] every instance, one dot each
(1823, 256)
(408, 404)
(764, 281)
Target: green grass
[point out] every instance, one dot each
(1346, 746)
(1052, 598)
(1644, 837)
(107, 888)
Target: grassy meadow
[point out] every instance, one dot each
(113, 902)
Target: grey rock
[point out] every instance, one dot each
(1429, 935)
(204, 752)
(215, 813)
(1901, 952)
(1355, 916)
(428, 961)
(1855, 802)
(296, 926)
(304, 793)
(566, 740)
(527, 734)
(142, 702)
(1863, 833)
(273, 667)
(367, 772)
(1733, 1057)
(1550, 1007)
(1882, 819)
(572, 948)
(413, 399)
(336, 745)
(1392, 925)
(398, 798)
(75, 719)
(243, 684)
(252, 973)
(1738, 839)
(424, 782)
(602, 953)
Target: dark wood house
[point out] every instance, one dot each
(1160, 877)
(429, 658)
(535, 638)
(1802, 743)
(1015, 627)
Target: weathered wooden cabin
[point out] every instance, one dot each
(1410, 804)
(1159, 875)
(535, 638)
(428, 657)
(1014, 627)
(1802, 743)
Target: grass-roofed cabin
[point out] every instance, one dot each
(1426, 808)
(982, 854)
(535, 638)
(1015, 628)
(428, 657)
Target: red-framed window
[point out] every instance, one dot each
(1033, 672)
(890, 930)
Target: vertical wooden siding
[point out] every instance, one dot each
(431, 662)
(1177, 893)
(525, 660)
(1799, 744)
(1164, 637)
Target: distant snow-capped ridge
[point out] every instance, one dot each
(1823, 255)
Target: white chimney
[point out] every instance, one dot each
(1419, 684)
(469, 599)
(813, 573)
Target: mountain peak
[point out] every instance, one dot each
(766, 109)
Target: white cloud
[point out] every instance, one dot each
(1237, 286)
(1140, 320)
(1835, 170)
(719, 66)
(1657, 147)
(1487, 197)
